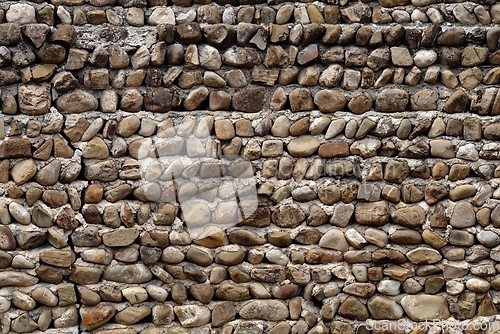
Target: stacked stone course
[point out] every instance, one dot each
(370, 129)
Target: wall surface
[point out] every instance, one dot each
(247, 167)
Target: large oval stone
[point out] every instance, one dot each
(134, 273)
(391, 100)
(271, 310)
(76, 102)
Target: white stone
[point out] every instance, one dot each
(186, 17)
(454, 288)
(229, 16)
(355, 238)
(434, 15)
(163, 15)
(64, 15)
(468, 152)
(425, 58)
(389, 287)
(276, 256)
(21, 13)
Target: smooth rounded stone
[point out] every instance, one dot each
(425, 307)
(303, 146)
(172, 255)
(334, 239)
(454, 288)
(423, 255)
(384, 308)
(335, 128)
(132, 314)
(488, 238)
(4, 304)
(491, 131)
(192, 315)
(477, 285)
(463, 215)
(389, 287)
(442, 148)
(461, 192)
(330, 100)
(23, 301)
(351, 128)
(19, 213)
(157, 293)
(23, 171)
(49, 175)
(425, 58)
(44, 296)
(76, 102)
(410, 216)
(130, 274)
(372, 213)
(331, 76)
(271, 310)
(360, 103)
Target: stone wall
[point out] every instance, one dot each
(248, 167)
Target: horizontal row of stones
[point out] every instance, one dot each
(223, 36)
(35, 100)
(467, 14)
(207, 127)
(412, 216)
(417, 307)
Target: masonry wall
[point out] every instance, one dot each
(248, 167)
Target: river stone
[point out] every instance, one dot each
(425, 307)
(23, 171)
(130, 274)
(49, 175)
(271, 310)
(334, 239)
(423, 255)
(382, 308)
(303, 146)
(18, 279)
(76, 102)
(372, 213)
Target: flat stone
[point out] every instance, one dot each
(372, 213)
(303, 146)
